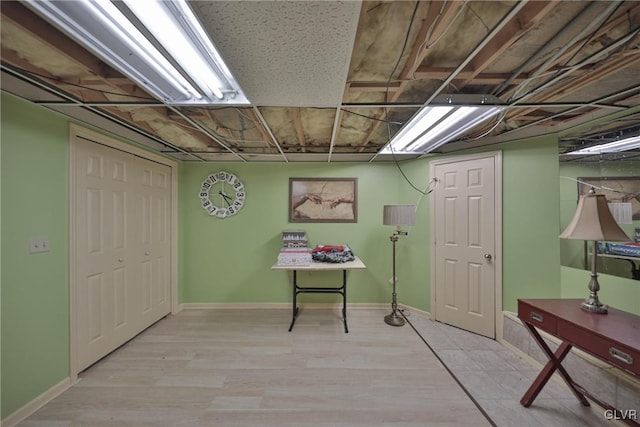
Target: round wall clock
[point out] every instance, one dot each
(222, 194)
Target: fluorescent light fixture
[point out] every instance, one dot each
(194, 73)
(436, 124)
(611, 147)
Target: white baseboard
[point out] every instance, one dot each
(278, 305)
(414, 310)
(232, 305)
(37, 403)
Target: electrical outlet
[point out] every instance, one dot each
(38, 244)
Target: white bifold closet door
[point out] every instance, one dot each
(122, 249)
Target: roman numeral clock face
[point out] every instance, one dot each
(222, 194)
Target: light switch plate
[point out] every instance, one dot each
(38, 244)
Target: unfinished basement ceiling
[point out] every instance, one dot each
(334, 80)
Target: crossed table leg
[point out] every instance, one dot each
(554, 363)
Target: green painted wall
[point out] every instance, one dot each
(614, 276)
(414, 254)
(35, 310)
(229, 260)
(618, 292)
(531, 247)
(572, 251)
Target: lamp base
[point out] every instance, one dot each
(393, 319)
(594, 306)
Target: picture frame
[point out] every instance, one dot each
(323, 200)
(616, 189)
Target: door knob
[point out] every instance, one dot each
(120, 260)
(146, 253)
(487, 256)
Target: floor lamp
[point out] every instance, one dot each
(593, 221)
(397, 215)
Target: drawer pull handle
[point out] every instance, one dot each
(537, 317)
(621, 355)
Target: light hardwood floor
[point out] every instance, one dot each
(497, 378)
(242, 368)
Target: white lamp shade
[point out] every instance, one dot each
(399, 215)
(622, 212)
(593, 221)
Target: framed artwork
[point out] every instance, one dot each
(323, 199)
(623, 189)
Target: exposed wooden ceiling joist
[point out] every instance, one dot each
(550, 61)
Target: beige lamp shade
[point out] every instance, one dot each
(399, 215)
(593, 221)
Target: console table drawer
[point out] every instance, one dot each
(618, 355)
(538, 318)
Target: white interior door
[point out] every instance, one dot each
(153, 182)
(104, 270)
(122, 248)
(464, 244)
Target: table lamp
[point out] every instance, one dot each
(397, 215)
(593, 221)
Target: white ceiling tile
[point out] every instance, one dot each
(285, 53)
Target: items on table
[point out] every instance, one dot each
(332, 253)
(295, 250)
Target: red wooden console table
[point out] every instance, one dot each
(613, 338)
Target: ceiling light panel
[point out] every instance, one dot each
(202, 77)
(611, 147)
(444, 121)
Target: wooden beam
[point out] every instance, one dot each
(50, 37)
(436, 73)
(374, 87)
(47, 34)
(126, 117)
(614, 64)
(438, 18)
(97, 93)
(170, 119)
(220, 128)
(618, 62)
(92, 81)
(11, 57)
(618, 22)
(439, 73)
(532, 13)
(265, 136)
(297, 121)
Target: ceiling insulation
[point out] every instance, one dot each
(335, 80)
